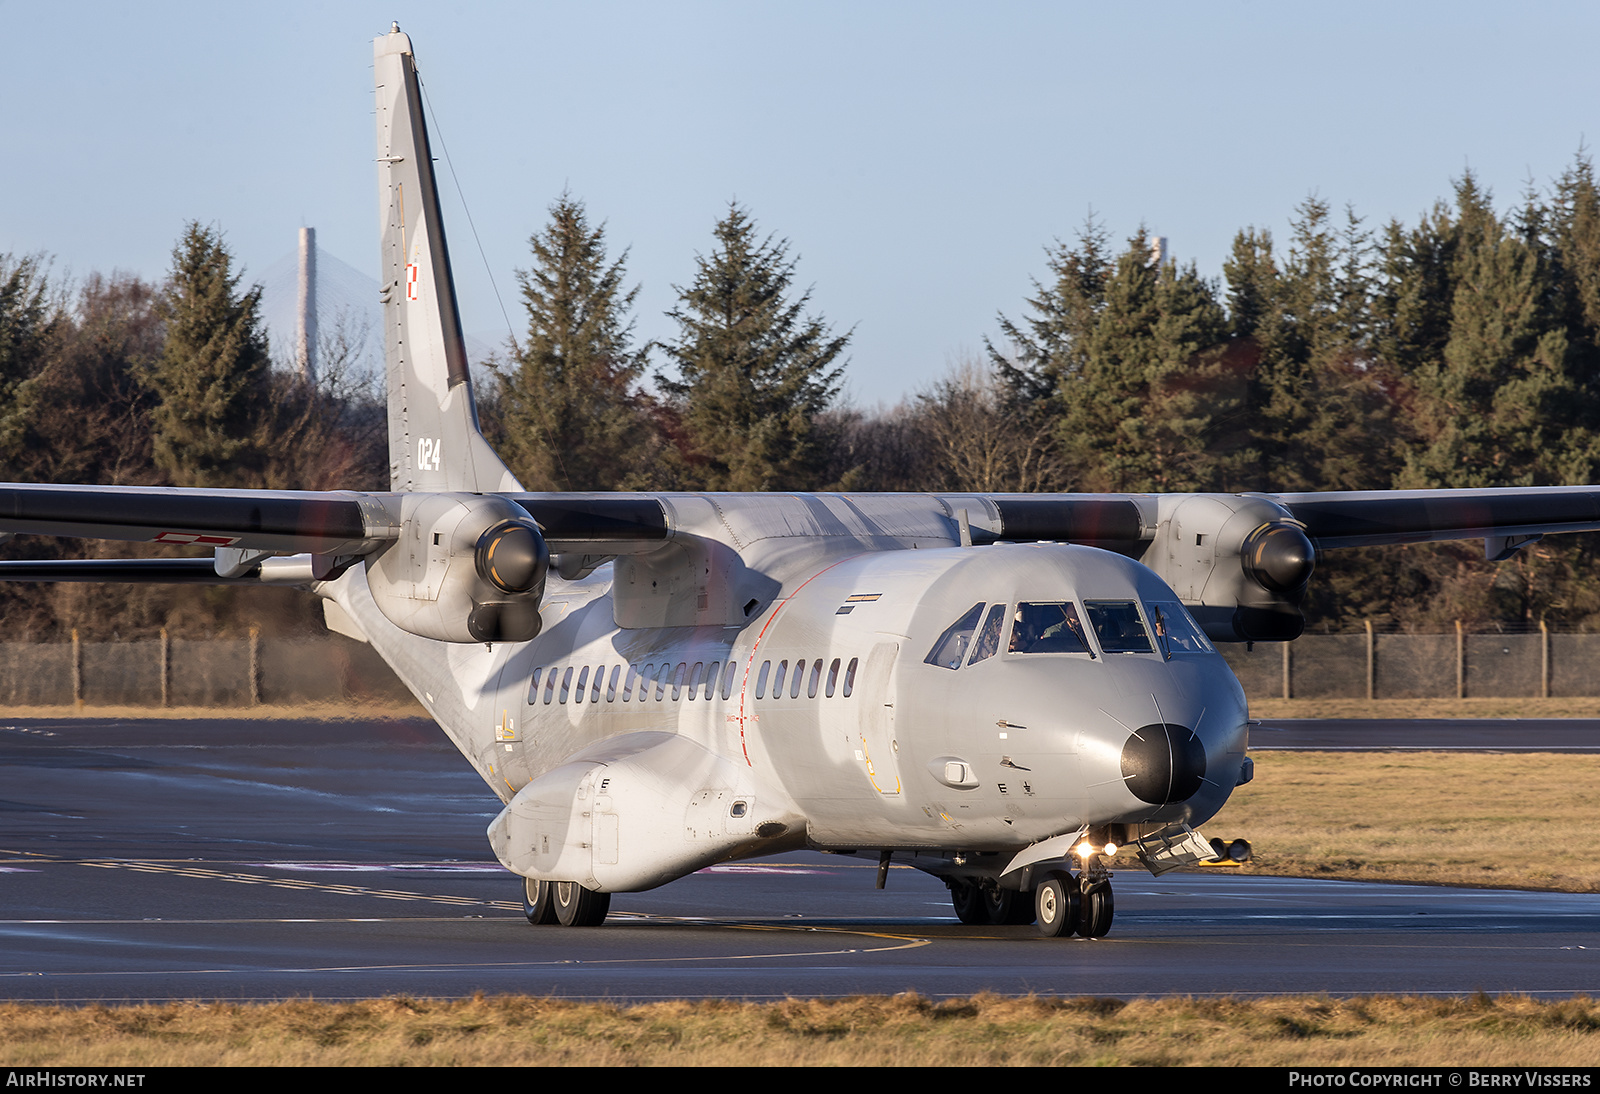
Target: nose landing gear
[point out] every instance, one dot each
(1081, 905)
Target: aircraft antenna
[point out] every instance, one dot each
(437, 129)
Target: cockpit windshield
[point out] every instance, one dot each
(953, 644)
(1049, 627)
(1118, 627)
(1176, 630)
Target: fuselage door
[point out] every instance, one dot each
(874, 692)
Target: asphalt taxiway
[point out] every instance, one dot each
(245, 859)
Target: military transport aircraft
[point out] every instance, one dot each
(996, 689)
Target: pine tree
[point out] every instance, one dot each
(212, 373)
(569, 411)
(1153, 392)
(754, 371)
(1496, 408)
(28, 320)
(1052, 344)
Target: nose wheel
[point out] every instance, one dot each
(1066, 905)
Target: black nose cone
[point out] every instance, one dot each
(1163, 763)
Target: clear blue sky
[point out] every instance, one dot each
(919, 156)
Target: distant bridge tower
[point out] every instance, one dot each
(306, 312)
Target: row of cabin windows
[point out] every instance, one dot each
(701, 680)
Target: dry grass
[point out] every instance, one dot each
(1501, 820)
(1424, 708)
(986, 1030)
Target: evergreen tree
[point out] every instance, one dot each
(211, 376)
(1496, 409)
(754, 371)
(1152, 395)
(28, 322)
(1052, 344)
(569, 410)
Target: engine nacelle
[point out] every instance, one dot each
(466, 568)
(1240, 563)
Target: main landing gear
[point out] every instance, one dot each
(979, 906)
(563, 902)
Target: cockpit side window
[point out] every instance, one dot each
(1048, 627)
(988, 643)
(951, 649)
(1118, 627)
(1176, 630)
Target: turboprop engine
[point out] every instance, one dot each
(1239, 562)
(466, 568)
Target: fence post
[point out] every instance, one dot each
(1544, 660)
(255, 666)
(1461, 662)
(1288, 691)
(1372, 664)
(166, 668)
(77, 669)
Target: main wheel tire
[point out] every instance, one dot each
(579, 907)
(969, 903)
(1008, 907)
(1055, 905)
(538, 902)
(1095, 911)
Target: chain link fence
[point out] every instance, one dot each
(1420, 666)
(223, 672)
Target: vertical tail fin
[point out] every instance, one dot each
(434, 442)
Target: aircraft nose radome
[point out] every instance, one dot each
(1163, 763)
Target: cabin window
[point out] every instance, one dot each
(850, 676)
(1118, 627)
(816, 678)
(833, 676)
(533, 688)
(661, 680)
(1048, 627)
(677, 680)
(988, 643)
(728, 675)
(599, 680)
(611, 684)
(583, 683)
(550, 688)
(628, 682)
(761, 680)
(694, 680)
(796, 679)
(952, 646)
(777, 681)
(713, 677)
(566, 683)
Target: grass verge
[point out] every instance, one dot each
(1445, 818)
(986, 1030)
